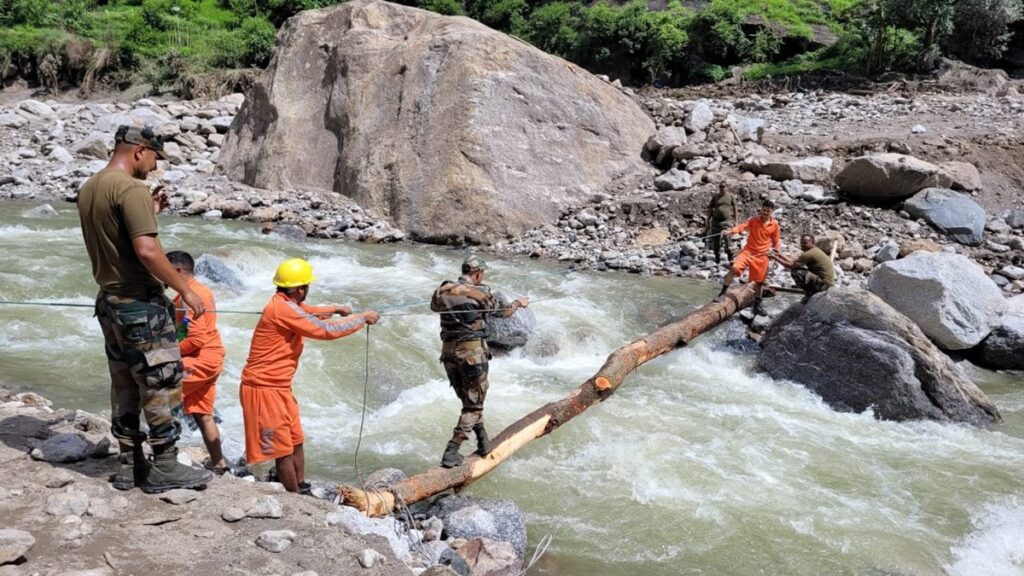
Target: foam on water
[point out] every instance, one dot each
(995, 544)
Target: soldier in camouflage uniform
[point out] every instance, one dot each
(118, 216)
(465, 306)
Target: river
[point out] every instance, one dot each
(697, 465)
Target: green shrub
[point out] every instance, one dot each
(258, 34)
(554, 28)
(446, 7)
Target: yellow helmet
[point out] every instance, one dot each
(294, 272)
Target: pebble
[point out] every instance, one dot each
(275, 540)
(14, 544)
(369, 557)
(70, 503)
(178, 497)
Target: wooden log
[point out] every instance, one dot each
(542, 421)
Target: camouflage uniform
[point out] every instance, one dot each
(464, 350)
(145, 365)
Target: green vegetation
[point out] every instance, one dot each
(167, 42)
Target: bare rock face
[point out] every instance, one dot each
(859, 353)
(453, 130)
(884, 178)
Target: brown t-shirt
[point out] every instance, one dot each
(114, 208)
(819, 263)
(722, 207)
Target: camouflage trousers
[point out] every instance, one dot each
(144, 363)
(466, 366)
(808, 281)
(720, 241)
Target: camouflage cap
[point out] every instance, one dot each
(472, 263)
(143, 136)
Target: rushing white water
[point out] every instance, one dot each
(697, 465)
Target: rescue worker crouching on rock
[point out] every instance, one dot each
(813, 270)
(119, 226)
(464, 306)
(270, 412)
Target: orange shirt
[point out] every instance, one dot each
(763, 235)
(203, 340)
(279, 338)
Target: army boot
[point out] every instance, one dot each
(167, 473)
(451, 457)
(483, 442)
(133, 467)
(758, 309)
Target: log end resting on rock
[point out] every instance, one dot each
(620, 364)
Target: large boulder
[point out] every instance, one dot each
(951, 213)
(950, 297)
(811, 169)
(1003, 349)
(884, 178)
(498, 520)
(964, 175)
(453, 130)
(859, 353)
(512, 332)
(216, 272)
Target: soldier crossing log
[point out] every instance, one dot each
(542, 421)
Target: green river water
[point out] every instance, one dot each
(696, 466)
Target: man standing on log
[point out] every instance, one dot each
(813, 270)
(721, 211)
(270, 413)
(465, 306)
(118, 216)
(762, 239)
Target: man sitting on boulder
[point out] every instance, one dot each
(465, 306)
(812, 271)
(763, 238)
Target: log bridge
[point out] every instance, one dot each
(542, 421)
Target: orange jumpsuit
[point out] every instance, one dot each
(269, 410)
(202, 353)
(762, 238)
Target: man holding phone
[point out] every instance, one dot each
(118, 217)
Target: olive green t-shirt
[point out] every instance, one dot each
(819, 263)
(114, 208)
(721, 209)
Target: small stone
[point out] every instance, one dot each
(264, 507)
(60, 154)
(63, 448)
(369, 557)
(59, 479)
(14, 544)
(179, 497)
(918, 129)
(275, 540)
(212, 215)
(1012, 272)
(70, 503)
(232, 514)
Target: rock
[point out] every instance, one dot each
(37, 109)
(951, 213)
(499, 520)
(699, 118)
(963, 175)
(61, 155)
(811, 169)
(173, 152)
(947, 295)
(212, 215)
(911, 246)
(14, 544)
(291, 232)
(8, 120)
(673, 179)
(487, 557)
(70, 503)
(179, 497)
(352, 521)
(512, 332)
(522, 133)
(263, 507)
(666, 138)
(216, 272)
(998, 226)
(859, 353)
(652, 237)
(41, 211)
(746, 129)
(1003, 349)
(232, 514)
(439, 570)
(882, 178)
(369, 557)
(1012, 272)
(1016, 218)
(275, 540)
(64, 448)
(959, 76)
(918, 129)
(889, 251)
(136, 117)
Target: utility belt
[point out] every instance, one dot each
(473, 351)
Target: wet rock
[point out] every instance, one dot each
(64, 448)
(1003, 349)
(499, 520)
(487, 557)
(14, 544)
(949, 212)
(41, 211)
(947, 295)
(212, 215)
(275, 540)
(291, 232)
(882, 178)
(369, 557)
(859, 353)
(512, 332)
(215, 271)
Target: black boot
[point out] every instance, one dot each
(721, 295)
(133, 467)
(167, 473)
(451, 457)
(758, 309)
(483, 442)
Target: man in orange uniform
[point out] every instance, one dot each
(203, 356)
(269, 408)
(762, 239)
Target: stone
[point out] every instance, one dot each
(673, 179)
(212, 215)
(64, 448)
(910, 246)
(41, 211)
(264, 507)
(179, 497)
(963, 175)
(859, 353)
(998, 226)
(275, 540)
(884, 178)
(699, 118)
(351, 521)
(37, 109)
(60, 154)
(215, 140)
(486, 557)
(947, 295)
(1003, 349)
(521, 135)
(214, 271)
(1016, 218)
(69, 503)
(369, 557)
(949, 212)
(811, 169)
(221, 123)
(8, 120)
(499, 520)
(746, 129)
(512, 332)
(666, 138)
(135, 117)
(439, 570)
(889, 251)
(174, 153)
(14, 544)
(918, 129)
(232, 514)
(1012, 272)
